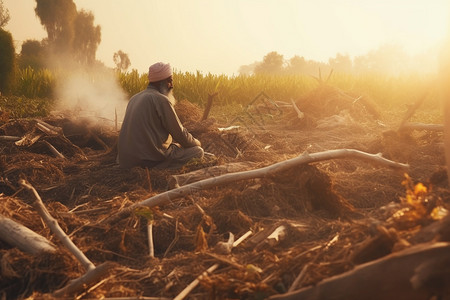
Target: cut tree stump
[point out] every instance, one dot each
(417, 273)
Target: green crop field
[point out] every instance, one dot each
(35, 89)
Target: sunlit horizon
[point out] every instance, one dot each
(220, 36)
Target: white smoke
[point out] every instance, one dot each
(94, 93)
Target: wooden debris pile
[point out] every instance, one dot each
(295, 226)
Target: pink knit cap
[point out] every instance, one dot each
(159, 71)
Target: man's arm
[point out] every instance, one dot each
(178, 132)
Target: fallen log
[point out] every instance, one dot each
(257, 173)
(409, 274)
(17, 235)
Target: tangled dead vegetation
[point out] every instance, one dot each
(307, 224)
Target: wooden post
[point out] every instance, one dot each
(208, 106)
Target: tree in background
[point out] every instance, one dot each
(57, 17)
(271, 64)
(4, 15)
(69, 32)
(296, 65)
(387, 59)
(341, 63)
(248, 69)
(7, 61)
(7, 53)
(121, 60)
(87, 37)
(32, 55)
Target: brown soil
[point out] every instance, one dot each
(343, 201)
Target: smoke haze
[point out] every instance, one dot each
(93, 93)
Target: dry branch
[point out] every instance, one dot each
(401, 275)
(214, 171)
(17, 235)
(56, 229)
(208, 106)
(53, 150)
(9, 138)
(50, 128)
(151, 248)
(412, 109)
(92, 276)
(257, 173)
(300, 114)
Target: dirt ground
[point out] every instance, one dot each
(328, 212)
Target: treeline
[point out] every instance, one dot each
(73, 37)
(72, 41)
(389, 59)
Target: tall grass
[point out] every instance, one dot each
(239, 89)
(388, 92)
(132, 82)
(35, 83)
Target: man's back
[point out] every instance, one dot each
(149, 124)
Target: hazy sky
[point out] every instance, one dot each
(218, 36)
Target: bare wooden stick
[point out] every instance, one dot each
(17, 235)
(46, 129)
(9, 138)
(54, 151)
(194, 283)
(56, 229)
(412, 109)
(302, 274)
(300, 114)
(242, 238)
(257, 173)
(90, 277)
(211, 269)
(54, 129)
(208, 105)
(99, 140)
(150, 239)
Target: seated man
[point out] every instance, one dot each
(151, 126)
